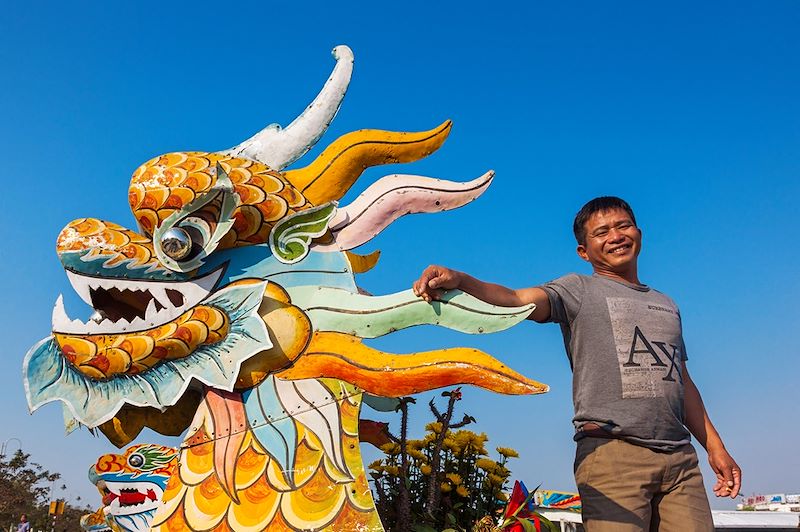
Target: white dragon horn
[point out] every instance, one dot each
(278, 148)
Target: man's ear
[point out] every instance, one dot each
(582, 252)
(641, 240)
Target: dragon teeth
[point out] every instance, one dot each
(60, 319)
(159, 294)
(116, 508)
(81, 286)
(193, 293)
(150, 312)
(152, 317)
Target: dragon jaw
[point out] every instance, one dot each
(126, 498)
(126, 305)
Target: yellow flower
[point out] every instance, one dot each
(478, 443)
(415, 444)
(508, 452)
(429, 439)
(425, 469)
(392, 470)
(486, 464)
(376, 465)
(502, 496)
(390, 448)
(416, 453)
(485, 523)
(495, 480)
(450, 444)
(455, 478)
(464, 438)
(446, 487)
(462, 491)
(434, 427)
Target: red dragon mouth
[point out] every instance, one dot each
(129, 497)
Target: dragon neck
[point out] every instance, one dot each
(243, 465)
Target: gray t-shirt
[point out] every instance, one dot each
(626, 350)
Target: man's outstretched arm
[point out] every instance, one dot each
(435, 280)
(729, 475)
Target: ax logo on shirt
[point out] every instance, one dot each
(641, 345)
(649, 347)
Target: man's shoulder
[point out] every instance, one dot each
(570, 278)
(664, 297)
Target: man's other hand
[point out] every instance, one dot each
(435, 281)
(729, 475)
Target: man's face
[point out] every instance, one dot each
(612, 242)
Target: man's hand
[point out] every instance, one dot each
(729, 476)
(434, 281)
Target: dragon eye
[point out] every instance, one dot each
(187, 236)
(176, 243)
(136, 460)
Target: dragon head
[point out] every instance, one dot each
(131, 486)
(241, 270)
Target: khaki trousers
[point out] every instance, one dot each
(626, 487)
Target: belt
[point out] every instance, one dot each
(593, 430)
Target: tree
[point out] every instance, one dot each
(25, 489)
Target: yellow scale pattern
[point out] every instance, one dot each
(103, 356)
(109, 240)
(165, 184)
(322, 497)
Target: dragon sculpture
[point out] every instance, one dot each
(95, 522)
(232, 316)
(131, 486)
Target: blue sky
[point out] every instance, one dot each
(688, 111)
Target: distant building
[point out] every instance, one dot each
(776, 502)
(724, 521)
(777, 512)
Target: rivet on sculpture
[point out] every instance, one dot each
(233, 315)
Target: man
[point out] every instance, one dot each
(634, 399)
(24, 525)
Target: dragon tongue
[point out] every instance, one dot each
(127, 498)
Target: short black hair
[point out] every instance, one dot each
(601, 204)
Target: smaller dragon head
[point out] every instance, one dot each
(132, 485)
